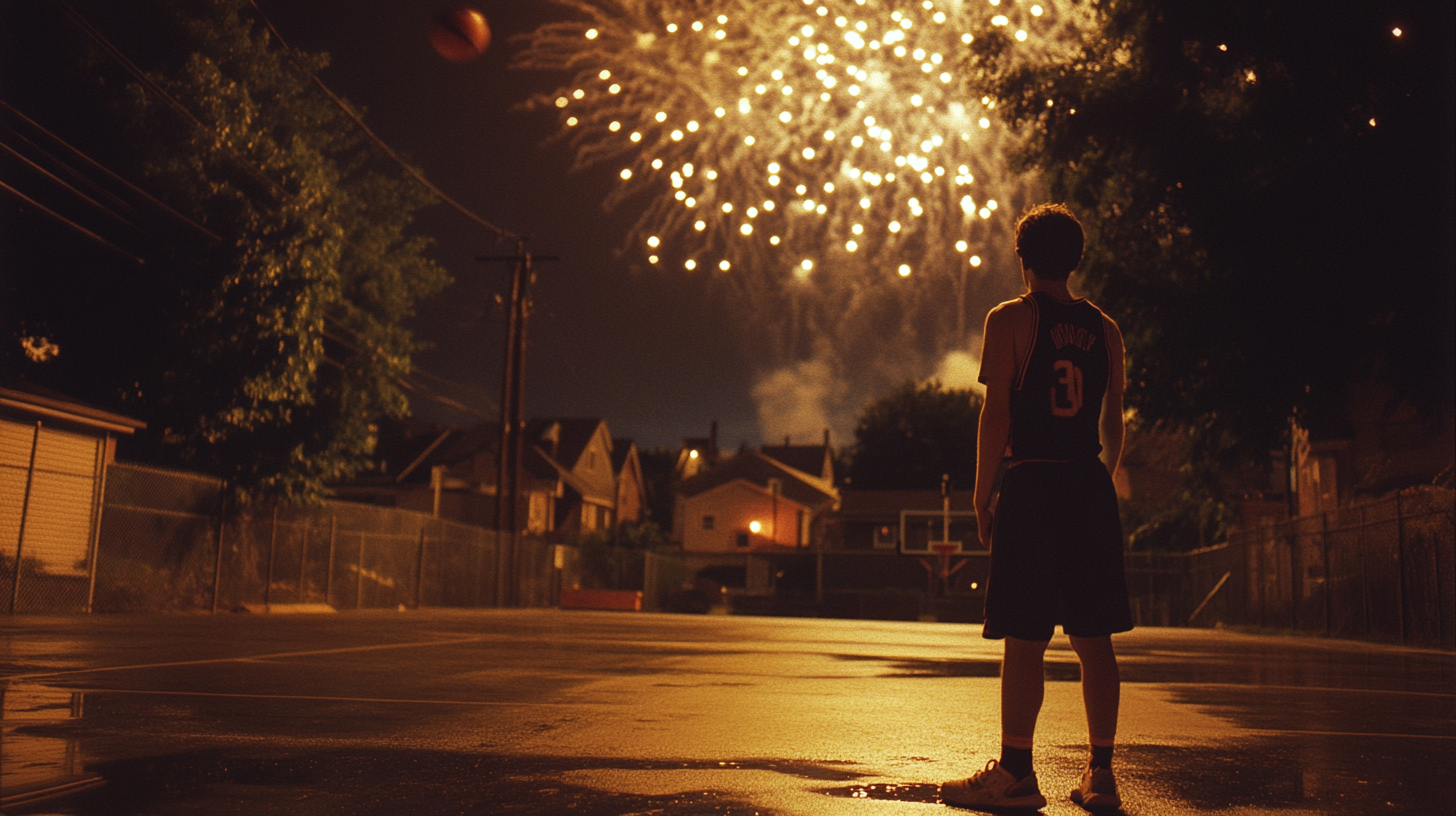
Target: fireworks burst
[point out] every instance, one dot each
(823, 157)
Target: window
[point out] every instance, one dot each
(708, 522)
(742, 541)
(886, 536)
(537, 518)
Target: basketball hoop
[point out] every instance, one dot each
(946, 550)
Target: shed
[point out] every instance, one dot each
(53, 456)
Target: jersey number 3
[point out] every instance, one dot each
(1067, 392)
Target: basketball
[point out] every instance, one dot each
(460, 34)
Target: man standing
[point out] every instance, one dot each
(1052, 365)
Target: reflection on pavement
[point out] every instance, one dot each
(33, 766)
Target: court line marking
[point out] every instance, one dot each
(333, 699)
(247, 658)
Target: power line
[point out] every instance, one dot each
(293, 57)
(99, 166)
(72, 224)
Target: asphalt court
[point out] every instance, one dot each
(545, 712)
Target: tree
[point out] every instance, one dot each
(267, 340)
(658, 464)
(908, 438)
(1267, 190)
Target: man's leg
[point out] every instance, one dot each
(1022, 689)
(1101, 687)
(1101, 690)
(1010, 782)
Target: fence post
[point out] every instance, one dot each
(24, 511)
(303, 561)
(217, 563)
(420, 566)
(1258, 576)
(100, 480)
(1364, 576)
(1325, 549)
(1296, 577)
(272, 544)
(359, 574)
(1400, 562)
(329, 579)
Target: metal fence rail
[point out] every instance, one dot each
(1383, 570)
(166, 543)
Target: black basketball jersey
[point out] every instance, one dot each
(1056, 397)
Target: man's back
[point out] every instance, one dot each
(1056, 400)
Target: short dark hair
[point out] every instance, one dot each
(1049, 241)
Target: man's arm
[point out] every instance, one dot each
(1111, 424)
(998, 369)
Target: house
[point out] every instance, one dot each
(631, 504)
(570, 475)
(815, 459)
(696, 454)
(579, 450)
(450, 473)
(1371, 443)
(903, 521)
(54, 452)
(750, 502)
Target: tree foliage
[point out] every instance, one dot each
(1267, 189)
(908, 438)
(265, 352)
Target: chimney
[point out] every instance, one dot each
(713, 440)
(786, 440)
(826, 437)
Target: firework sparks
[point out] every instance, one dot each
(825, 155)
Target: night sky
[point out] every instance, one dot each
(650, 351)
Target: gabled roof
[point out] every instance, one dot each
(448, 446)
(812, 459)
(540, 464)
(757, 469)
(574, 434)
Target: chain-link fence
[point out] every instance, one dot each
(1384, 570)
(166, 542)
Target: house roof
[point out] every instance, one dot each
(755, 468)
(419, 450)
(38, 400)
(574, 434)
(873, 505)
(447, 446)
(621, 448)
(808, 458)
(540, 464)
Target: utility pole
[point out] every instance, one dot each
(513, 423)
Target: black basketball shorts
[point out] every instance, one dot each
(1056, 554)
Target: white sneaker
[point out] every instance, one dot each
(994, 787)
(1098, 790)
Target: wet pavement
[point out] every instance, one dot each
(609, 714)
